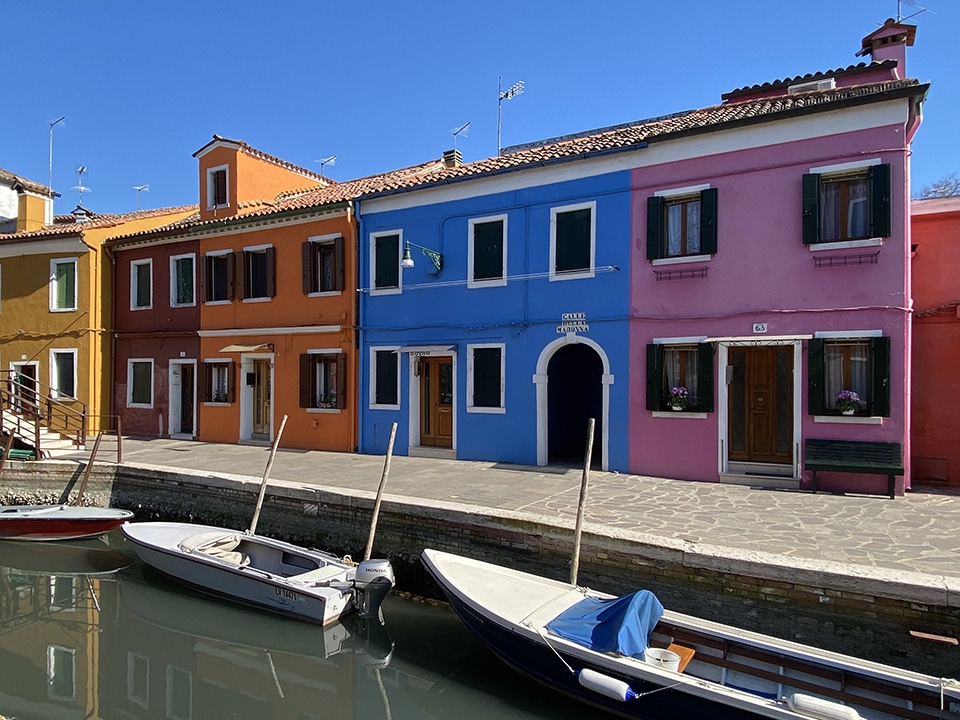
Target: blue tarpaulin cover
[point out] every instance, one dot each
(621, 625)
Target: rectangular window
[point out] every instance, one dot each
(61, 673)
(485, 378)
(385, 378)
(682, 223)
(138, 679)
(322, 265)
(179, 693)
(258, 280)
(487, 251)
(140, 383)
(63, 284)
(323, 380)
(141, 285)
(680, 376)
(572, 244)
(63, 373)
(218, 382)
(386, 262)
(217, 195)
(849, 365)
(846, 203)
(63, 593)
(182, 280)
(218, 277)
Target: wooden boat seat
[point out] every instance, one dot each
(218, 545)
(321, 574)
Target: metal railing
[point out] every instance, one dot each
(28, 405)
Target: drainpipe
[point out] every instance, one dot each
(361, 306)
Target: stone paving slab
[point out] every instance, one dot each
(916, 533)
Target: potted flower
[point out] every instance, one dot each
(848, 402)
(678, 398)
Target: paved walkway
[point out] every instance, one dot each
(919, 532)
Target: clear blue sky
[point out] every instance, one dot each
(381, 85)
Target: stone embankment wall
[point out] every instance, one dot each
(857, 610)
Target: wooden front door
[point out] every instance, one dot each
(25, 387)
(261, 398)
(761, 404)
(436, 401)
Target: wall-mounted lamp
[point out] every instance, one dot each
(435, 257)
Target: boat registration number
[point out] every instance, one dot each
(288, 594)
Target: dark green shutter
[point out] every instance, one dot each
(880, 201)
(705, 371)
(811, 209)
(654, 376)
(815, 372)
(387, 262)
(307, 271)
(879, 377)
(654, 227)
(306, 381)
(572, 251)
(708, 221)
(488, 250)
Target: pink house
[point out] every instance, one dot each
(771, 279)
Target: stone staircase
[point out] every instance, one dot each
(52, 444)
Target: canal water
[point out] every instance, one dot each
(87, 631)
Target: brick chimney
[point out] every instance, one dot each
(452, 158)
(890, 42)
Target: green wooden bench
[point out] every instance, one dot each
(16, 454)
(854, 456)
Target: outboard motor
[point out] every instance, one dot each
(373, 583)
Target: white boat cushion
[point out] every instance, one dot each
(218, 545)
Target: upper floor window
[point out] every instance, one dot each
(858, 365)
(323, 380)
(322, 264)
(487, 250)
(485, 378)
(846, 202)
(682, 223)
(385, 262)
(258, 279)
(63, 284)
(63, 373)
(182, 293)
(141, 285)
(681, 370)
(217, 277)
(385, 378)
(572, 241)
(217, 195)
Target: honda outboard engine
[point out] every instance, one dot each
(373, 583)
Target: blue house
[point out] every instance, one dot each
(493, 309)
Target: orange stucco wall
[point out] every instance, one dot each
(936, 342)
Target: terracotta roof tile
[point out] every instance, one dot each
(810, 77)
(253, 152)
(68, 225)
(10, 178)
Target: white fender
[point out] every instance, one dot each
(821, 709)
(605, 685)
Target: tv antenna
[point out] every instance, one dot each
(50, 175)
(911, 3)
(140, 189)
(81, 169)
(512, 92)
(462, 130)
(332, 160)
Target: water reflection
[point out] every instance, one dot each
(87, 632)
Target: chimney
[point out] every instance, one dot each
(32, 209)
(452, 158)
(890, 42)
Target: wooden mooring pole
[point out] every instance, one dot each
(584, 482)
(383, 481)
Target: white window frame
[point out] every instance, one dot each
(53, 283)
(134, 284)
(134, 659)
(211, 205)
(173, 279)
(52, 650)
(171, 671)
(329, 239)
(373, 263)
(130, 402)
(373, 405)
(667, 195)
(52, 374)
(471, 408)
(327, 351)
(492, 282)
(825, 172)
(217, 361)
(59, 582)
(591, 271)
(254, 249)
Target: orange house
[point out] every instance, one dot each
(936, 341)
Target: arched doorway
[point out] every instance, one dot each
(574, 395)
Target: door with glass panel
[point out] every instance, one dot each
(436, 401)
(261, 399)
(761, 404)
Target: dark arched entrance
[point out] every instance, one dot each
(574, 395)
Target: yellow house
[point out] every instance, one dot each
(56, 314)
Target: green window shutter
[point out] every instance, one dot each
(708, 221)
(486, 377)
(705, 359)
(811, 209)
(387, 262)
(573, 241)
(654, 227)
(386, 390)
(488, 250)
(880, 377)
(815, 370)
(341, 380)
(338, 278)
(654, 376)
(306, 381)
(308, 272)
(880, 200)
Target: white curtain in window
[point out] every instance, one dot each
(693, 227)
(834, 378)
(674, 229)
(830, 211)
(681, 367)
(858, 222)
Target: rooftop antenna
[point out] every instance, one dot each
(50, 175)
(140, 189)
(81, 169)
(911, 3)
(515, 89)
(332, 160)
(462, 130)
